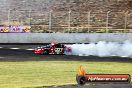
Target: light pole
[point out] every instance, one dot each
(50, 19)
(107, 21)
(8, 17)
(126, 15)
(69, 22)
(30, 17)
(24, 20)
(128, 20)
(89, 13)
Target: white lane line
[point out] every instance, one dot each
(29, 49)
(1, 47)
(124, 56)
(15, 48)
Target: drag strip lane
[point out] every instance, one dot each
(15, 55)
(15, 52)
(26, 53)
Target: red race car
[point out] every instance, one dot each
(51, 49)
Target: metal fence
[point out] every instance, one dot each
(71, 21)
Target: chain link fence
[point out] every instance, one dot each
(71, 21)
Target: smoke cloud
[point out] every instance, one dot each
(102, 49)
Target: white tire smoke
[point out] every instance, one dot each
(103, 49)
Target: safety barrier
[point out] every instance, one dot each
(63, 37)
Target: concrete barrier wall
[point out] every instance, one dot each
(63, 37)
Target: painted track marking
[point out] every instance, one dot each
(1, 47)
(29, 49)
(15, 48)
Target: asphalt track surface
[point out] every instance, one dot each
(16, 53)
